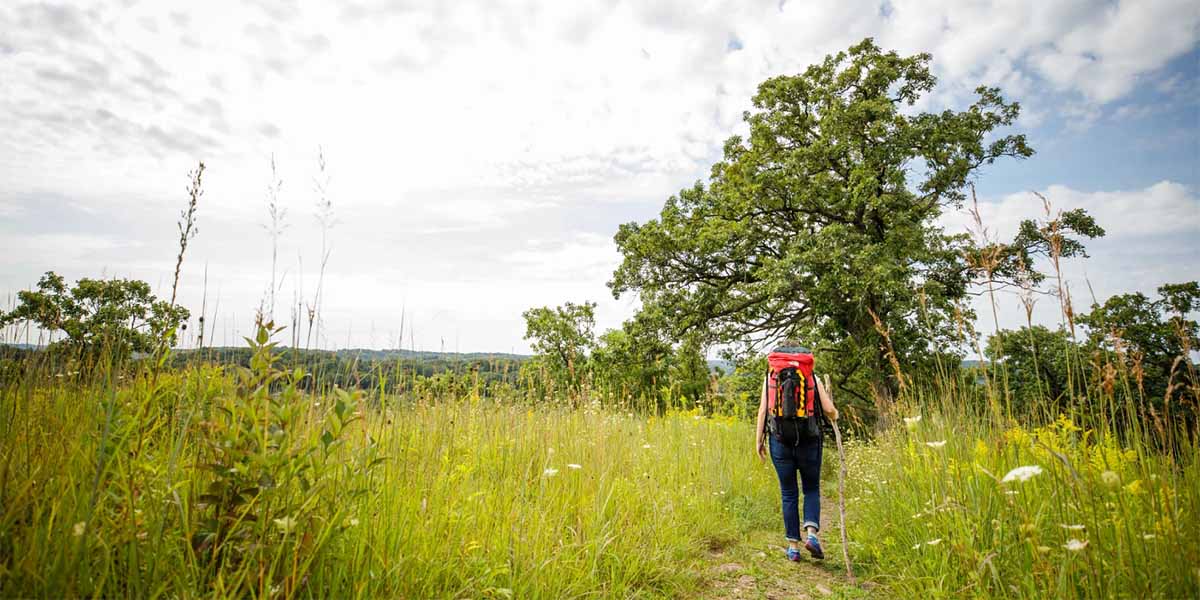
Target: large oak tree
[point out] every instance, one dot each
(822, 223)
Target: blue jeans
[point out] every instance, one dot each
(805, 458)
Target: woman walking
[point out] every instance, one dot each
(789, 413)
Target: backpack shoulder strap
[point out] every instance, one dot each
(818, 409)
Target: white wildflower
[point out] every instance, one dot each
(1011, 493)
(1110, 478)
(1075, 545)
(353, 522)
(551, 472)
(574, 466)
(1022, 473)
(646, 446)
(934, 542)
(911, 422)
(286, 524)
(1071, 527)
(1148, 536)
(917, 546)
(79, 528)
(936, 445)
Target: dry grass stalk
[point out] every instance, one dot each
(891, 352)
(327, 220)
(1054, 239)
(987, 256)
(187, 223)
(275, 228)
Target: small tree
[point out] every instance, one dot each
(562, 337)
(1155, 340)
(1036, 361)
(689, 371)
(117, 316)
(630, 363)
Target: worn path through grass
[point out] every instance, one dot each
(754, 567)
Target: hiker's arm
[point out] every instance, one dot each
(831, 411)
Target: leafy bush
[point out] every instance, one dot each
(114, 316)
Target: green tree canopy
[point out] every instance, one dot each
(631, 363)
(1036, 362)
(822, 223)
(562, 337)
(689, 371)
(118, 316)
(1154, 337)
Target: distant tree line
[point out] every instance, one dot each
(386, 372)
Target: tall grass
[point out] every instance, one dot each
(1096, 497)
(935, 511)
(218, 483)
(241, 481)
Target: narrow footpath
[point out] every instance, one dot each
(755, 568)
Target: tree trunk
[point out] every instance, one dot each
(881, 391)
(883, 384)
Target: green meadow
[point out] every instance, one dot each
(232, 481)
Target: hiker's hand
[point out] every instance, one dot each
(762, 451)
(832, 415)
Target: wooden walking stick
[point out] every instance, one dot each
(837, 435)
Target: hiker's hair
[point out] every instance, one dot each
(790, 343)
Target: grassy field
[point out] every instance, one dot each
(219, 482)
(962, 505)
(205, 483)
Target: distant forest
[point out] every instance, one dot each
(389, 371)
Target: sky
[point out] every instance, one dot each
(480, 155)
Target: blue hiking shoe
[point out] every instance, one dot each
(793, 554)
(814, 547)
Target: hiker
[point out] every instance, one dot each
(790, 414)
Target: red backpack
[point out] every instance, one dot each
(792, 404)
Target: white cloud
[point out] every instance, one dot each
(455, 131)
(585, 256)
(10, 209)
(1098, 50)
(1163, 209)
(77, 250)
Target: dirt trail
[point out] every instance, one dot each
(755, 567)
